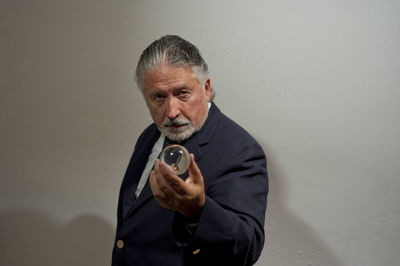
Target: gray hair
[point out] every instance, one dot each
(174, 51)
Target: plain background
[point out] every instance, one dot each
(316, 82)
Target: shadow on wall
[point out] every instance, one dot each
(289, 240)
(31, 238)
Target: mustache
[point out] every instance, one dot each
(175, 122)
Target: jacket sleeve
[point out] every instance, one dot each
(230, 229)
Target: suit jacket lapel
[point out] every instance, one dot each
(144, 196)
(205, 134)
(143, 153)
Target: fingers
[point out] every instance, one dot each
(169, 178)
(186, 197)
(194, 172)
(157, 191)
(166, 187)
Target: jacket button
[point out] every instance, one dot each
(196, 251)
(120, 244)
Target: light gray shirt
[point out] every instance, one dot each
(149, 165)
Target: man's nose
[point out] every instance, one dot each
(173, 108)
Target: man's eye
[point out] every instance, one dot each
(158, 99)
(183, 93)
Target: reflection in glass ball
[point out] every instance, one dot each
(176, 157)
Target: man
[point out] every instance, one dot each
(213, 214)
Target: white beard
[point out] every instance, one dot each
(179, 134)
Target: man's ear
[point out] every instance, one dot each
(207, 89)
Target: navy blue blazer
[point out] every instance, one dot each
(230, 229)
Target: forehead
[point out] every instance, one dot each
(164, 76)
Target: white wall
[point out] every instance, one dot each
(316, 82)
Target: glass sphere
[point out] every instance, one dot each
(176, 157)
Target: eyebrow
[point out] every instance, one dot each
(158, 91)
(182, 88)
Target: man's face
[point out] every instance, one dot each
(176, 100)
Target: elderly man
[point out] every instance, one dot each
(214, 213)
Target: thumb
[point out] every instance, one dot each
(195, 175)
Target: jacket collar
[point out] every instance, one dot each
(203, 136)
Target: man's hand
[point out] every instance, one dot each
(187, 197)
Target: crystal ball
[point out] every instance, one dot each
(176, 157)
